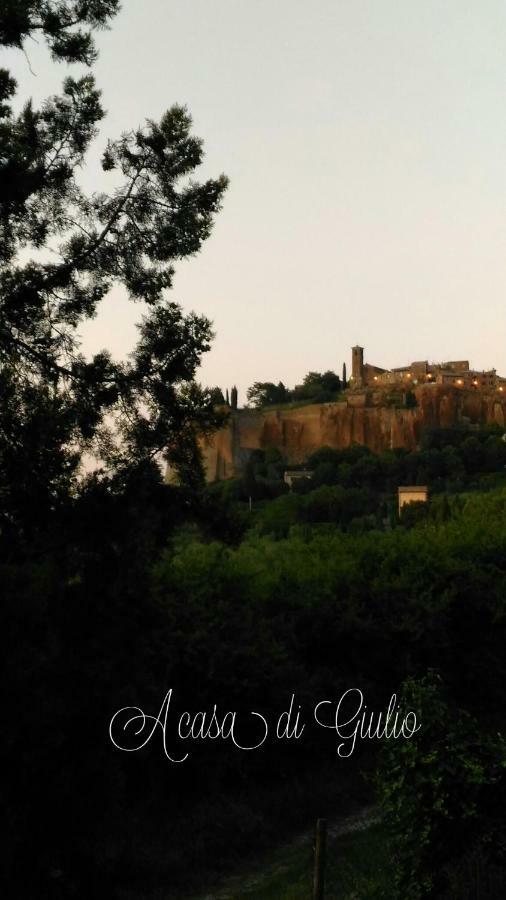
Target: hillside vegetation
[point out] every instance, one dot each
(309, 594)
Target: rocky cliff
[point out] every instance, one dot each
(373, 418)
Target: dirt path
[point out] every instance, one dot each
(262, 874)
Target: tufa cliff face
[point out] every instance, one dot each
(369, 417)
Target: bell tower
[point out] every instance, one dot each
(357, 365)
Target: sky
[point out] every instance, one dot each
(365, 142)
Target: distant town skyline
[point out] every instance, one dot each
(420, 370)
(366, 147)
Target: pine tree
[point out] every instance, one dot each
(55, 404)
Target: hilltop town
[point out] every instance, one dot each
(380, 409)
(455, 372)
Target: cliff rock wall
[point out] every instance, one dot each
(371, 418)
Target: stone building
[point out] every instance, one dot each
(363, 374)
(455, 372)
(412, 493)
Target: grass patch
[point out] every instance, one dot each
(356, 870)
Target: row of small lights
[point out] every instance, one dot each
(429, 376)
(407, 376)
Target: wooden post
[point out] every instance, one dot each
(319, 860)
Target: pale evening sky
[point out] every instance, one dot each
(365, 141)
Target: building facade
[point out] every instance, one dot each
(455, 372)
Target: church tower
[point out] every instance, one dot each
(357, 365)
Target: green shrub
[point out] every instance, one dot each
(442, 793)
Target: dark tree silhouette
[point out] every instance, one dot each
(217, 396)
(266, 393)
(55, 404)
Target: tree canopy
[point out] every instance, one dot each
(67, 25)
(316, 388)
(265, 393)
(61, 251)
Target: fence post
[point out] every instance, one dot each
(319, 860)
